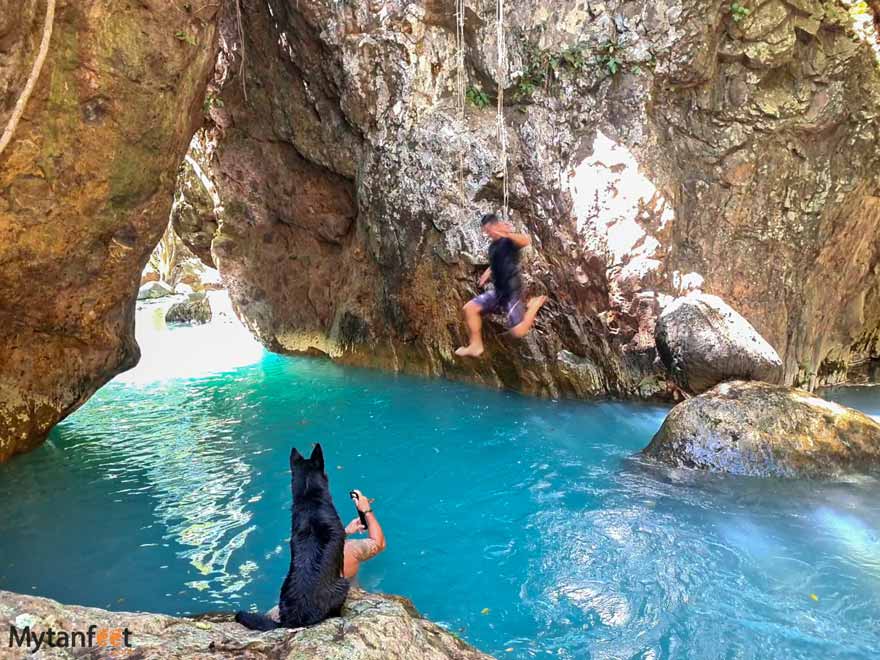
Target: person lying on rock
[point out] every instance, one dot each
(357, 551)
(506, 298)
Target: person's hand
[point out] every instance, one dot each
(362, 503)
(484, 278)
(355, 527)
(505, 229)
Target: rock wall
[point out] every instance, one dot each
(372, 627)
(647, 140)
(774, 140)
(85, 190)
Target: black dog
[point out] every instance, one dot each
(313, 589)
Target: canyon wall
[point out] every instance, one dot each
(85, 190)
(647, 140)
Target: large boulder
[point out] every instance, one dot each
(85, 190)
(372, 627)
(702, 341)
(759, 429)
(196, 310)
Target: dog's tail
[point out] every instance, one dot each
(255, 621)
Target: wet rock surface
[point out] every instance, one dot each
(372, 627)
(702, 341)
(758, 429)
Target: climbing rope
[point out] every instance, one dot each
(461, 83)
(32, 79)
(501, 76)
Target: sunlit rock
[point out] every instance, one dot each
(154, 289)
(195, 310)
(702, 341)
(372, 627)
(758, 429)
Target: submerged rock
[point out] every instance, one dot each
(196, 310)
(155, 289)
(759, 429)
(702, 341)
(372, 627)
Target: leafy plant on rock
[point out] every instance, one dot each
(543, 67)
(739, 12)
(477, 97)
(608, 58)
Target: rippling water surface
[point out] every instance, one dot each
(523, 525)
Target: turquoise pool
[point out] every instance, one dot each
(525, 526)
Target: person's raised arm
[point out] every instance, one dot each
(520, 240)
(374, 529)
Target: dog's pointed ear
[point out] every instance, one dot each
(295, 456)
(317, 456)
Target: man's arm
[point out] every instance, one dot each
(520, 240)
(371, 547)
(375, 531)
(484, 278)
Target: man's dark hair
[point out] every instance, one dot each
(488, 219)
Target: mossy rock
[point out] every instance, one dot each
(758, 429)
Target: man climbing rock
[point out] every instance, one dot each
(506, 298)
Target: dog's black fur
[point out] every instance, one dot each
(313, 589)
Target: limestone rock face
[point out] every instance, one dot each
(372, 627)
(758, 429)
(646, 139)
(702, 341)
(85, 190)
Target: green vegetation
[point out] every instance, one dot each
(608, 58)
(188, 38)
(477, 97)
(544, 67)
(739, 12)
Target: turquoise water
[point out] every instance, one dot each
(171, 495)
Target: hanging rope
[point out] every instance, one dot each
(461, 83)
(501, 77)
(241, 69)
(32, 79)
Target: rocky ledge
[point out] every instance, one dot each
(758, 429)
(373, 626)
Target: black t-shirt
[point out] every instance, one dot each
(504, 260)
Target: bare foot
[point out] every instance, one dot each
(536, 303)
(471, 350)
